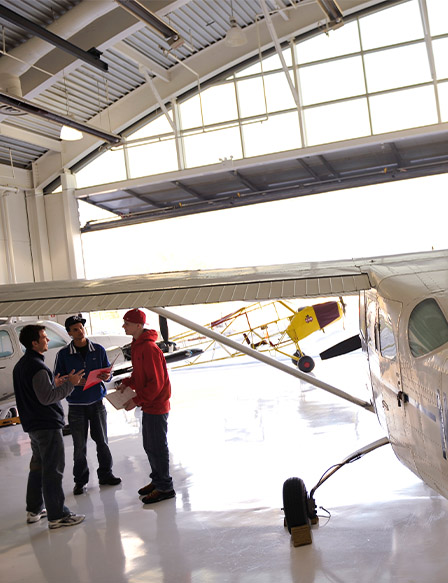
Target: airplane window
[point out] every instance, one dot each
(427, 329)
(387, 340)
(6, 348)
(56, 341)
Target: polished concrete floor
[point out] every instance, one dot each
(235, 433)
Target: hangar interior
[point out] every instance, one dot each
(139, 82)
(192, 106)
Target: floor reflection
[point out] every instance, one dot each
(235, 435)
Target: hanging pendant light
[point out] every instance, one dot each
(235, 36)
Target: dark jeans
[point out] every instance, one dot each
(46, 472)
(155, 428)
(79, 418)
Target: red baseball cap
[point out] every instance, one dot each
(135, 316)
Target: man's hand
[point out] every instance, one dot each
(58, 380)
(75, 377)
(130, 405)
(121, 387)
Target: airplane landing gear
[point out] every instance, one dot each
(300, 511)
(305, 363)
(299, 506)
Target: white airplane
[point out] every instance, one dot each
(403, 332)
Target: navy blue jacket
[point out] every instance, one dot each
(33, 414)
(69, 358)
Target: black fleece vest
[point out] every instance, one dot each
(33, 415)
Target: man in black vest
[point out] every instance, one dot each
(38, 395)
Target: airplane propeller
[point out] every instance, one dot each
(163, 325)
(344, 347)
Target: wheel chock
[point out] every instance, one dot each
(9, 421)
(301, 535)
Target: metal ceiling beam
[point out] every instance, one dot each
(328, 166)
(145, 198)
(190, 191)
(142, 59)
(33, 109)
(308, 168)
(167, 32)
(91, 57)
(250, 185)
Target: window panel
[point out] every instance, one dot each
(277, 134)
(211, 147)
(443, 100)
(330, 81)
(409, 108)
(254, 69)
(6, 348)
(109, 167)
(278, 92)
(273, 62)
(153, 158)
(219, 104)
(440, 48)
(438, 16)
(342, 41)
(388, 347)
(251, 97)
(428, 328)
(190, 113)
(158, 126)
(397, 67)
(337, 121)
(391, 26)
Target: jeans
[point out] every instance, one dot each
(155, 444)
(46, 472)
(79, 418)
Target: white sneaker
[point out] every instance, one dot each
(67, 520)
(35, 517)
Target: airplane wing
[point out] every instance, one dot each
(296, 280)
(182, 288)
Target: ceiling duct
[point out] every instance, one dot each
(10, 84)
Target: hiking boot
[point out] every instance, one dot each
(68, 520)
(78, 489)
(158, 496)
(146, 489)
(110, 481)
(35, 516)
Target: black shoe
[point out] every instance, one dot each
(158, 496)
(146, 489)
(110, 481)
(78, 489)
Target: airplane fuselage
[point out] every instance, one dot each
(404, 328)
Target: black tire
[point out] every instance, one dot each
(306, 364)
(295, 504)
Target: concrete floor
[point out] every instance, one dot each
(235, 433)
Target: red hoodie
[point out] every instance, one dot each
(149, 377)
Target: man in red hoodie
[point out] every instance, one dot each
(150, 381)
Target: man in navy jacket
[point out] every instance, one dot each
(86, 407)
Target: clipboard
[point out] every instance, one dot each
(93, 379)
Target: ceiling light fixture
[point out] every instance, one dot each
(235, 36)
(69, 134)
(171, 35)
